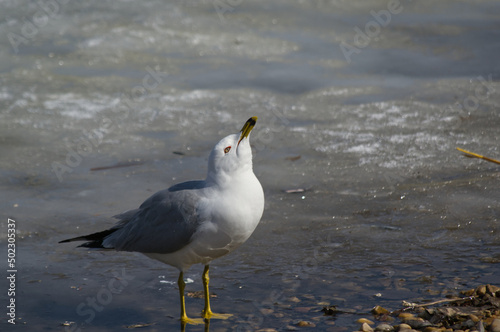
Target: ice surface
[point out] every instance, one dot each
(383, 202)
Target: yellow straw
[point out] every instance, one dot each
(475, 155)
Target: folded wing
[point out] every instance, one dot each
(164, 223)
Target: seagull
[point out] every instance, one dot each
(195, 221)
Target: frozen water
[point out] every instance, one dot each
(383, 202)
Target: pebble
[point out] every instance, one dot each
(481, 290)
(418, 323)
(432, 329)
(304, 323)
(468, 324)
(493, 290)
(378, 310)
(404, 326)
(479, 313)
(495, 325)
(366, 328)
(364, 320)
(406, 315)
(384, 328)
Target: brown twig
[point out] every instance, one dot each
(414, 305)
(475, 155)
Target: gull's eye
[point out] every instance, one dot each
(227, 149)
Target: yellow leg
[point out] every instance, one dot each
(184, 318)
(207, 312)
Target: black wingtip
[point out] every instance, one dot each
(95, 239)
(93, 245)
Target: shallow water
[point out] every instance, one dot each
(387, 209)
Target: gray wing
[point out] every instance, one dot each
(164, 223)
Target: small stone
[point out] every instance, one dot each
(495, 325)
(418, 323)
(304, 323)
(419, 310)
(426, 314)
(403, 327)
(481, 290)
(364, 320)
(378, 310)
(492, 290)
(468, 324)
(432, 329)
(366, 328)
(474, 318)
(447, 311)
(294, 299)
(406, 315)
(384, 328)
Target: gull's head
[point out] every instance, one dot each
(232, 155)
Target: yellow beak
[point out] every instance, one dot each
(247, 128)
